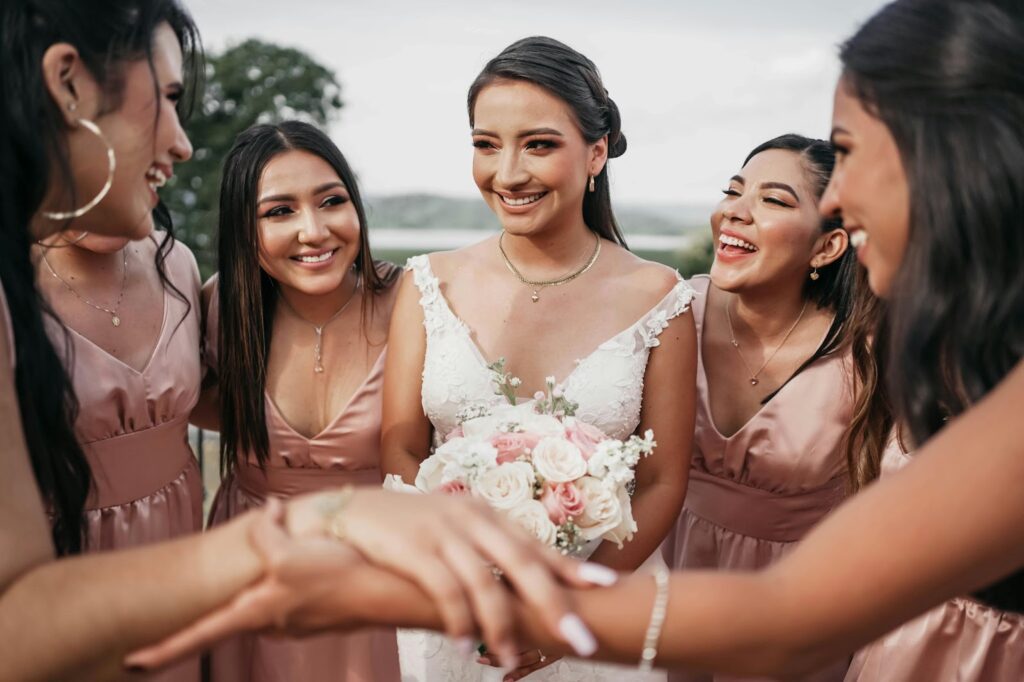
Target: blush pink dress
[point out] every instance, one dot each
(962, 640)
(133, 426)
(346, 451)
(753, 495)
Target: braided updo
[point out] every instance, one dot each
(574, 79)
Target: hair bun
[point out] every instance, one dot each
(616, 138)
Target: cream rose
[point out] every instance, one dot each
(558, 460)
(430, 476)
(602, 510)
(533, 518)
(506, 485)
(627, 524)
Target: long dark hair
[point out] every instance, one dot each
(574, 79)
(247, 295)
(106, 35)
(836, 287)
(946, 79)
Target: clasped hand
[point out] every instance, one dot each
(407, 560)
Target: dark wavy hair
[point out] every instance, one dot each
(247, 295)
(945, 78)
(575, 80)
(836, 288)
(107, 35)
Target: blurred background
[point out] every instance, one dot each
(698, 84)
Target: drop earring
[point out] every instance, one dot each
(590, 185)
(815, 275)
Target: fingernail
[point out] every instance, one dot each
(597, 574)
(578, 636)
(465, 647)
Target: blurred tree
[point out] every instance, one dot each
(697, 258)
(254, 82)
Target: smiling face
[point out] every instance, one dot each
(147, 139)
(531, 162)
(308, 226)
(767, 228)
(869, 189)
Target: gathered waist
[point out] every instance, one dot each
(759, 513)
(288, 481)
(135, 465)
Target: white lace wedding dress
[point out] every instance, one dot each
(607, 385)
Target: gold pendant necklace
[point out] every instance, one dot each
(754, 381)
(538, 285)
(115, 319)
(318, 365)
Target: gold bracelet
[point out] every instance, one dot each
(658, 612)
(332, 506)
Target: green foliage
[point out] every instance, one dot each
(254, 82)
(696, 259)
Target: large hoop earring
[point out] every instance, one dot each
(111, 166)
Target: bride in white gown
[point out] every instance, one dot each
(555, 294)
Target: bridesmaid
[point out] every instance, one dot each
(131, 346)
(297, 327)
(773, 378)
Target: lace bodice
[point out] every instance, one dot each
(607, 384)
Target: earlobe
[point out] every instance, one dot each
(598, 156)
(63, 75)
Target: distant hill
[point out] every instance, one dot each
(430, 211)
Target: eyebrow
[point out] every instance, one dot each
(523, 133)
(320, 189)
(837, 130)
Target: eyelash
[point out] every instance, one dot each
(769, 200)
(532, 144)
(331, 201)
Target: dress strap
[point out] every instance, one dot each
(435, 311)
(675, 303)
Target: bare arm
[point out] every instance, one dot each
(668, 409)
(950, 523)
(206, 413)
(405, 430)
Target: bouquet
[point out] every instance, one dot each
(561, 479)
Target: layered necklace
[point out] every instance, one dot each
(538, 285)
(318, 349)
(754, 381)
(115, 318)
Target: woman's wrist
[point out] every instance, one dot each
(227, 558)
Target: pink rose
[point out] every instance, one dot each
(454, 488)
(511, 446)
(584, 436)
(562, 500)
(454, 433)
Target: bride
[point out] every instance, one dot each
(555, 294)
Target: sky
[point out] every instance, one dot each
(698, 83)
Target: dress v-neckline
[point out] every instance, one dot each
(152, 353)
(706, 398)
(361, 388)
(482, 359)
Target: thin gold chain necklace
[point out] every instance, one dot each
(115, 319)
(318, 365)
(754, 381)
(538, 285)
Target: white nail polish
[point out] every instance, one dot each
(596, 574)
(465, 646)
(577, 635)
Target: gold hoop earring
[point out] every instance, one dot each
(590, 186)
(815, 275)
(111, 166)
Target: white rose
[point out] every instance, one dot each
(542, 425)
(558, 460)
(506, 486)
(481, 427)
(627, 524)
(602, 510)
(533, 518)
(431, 472)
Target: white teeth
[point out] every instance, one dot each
(523, 201)
(733, 241)
(316, 259)
(858, 239)
(157, 179)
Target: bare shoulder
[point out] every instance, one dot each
(448, 265)
(644, 277)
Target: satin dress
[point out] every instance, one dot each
(133, 427)
(347, 451)
(754, 494)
